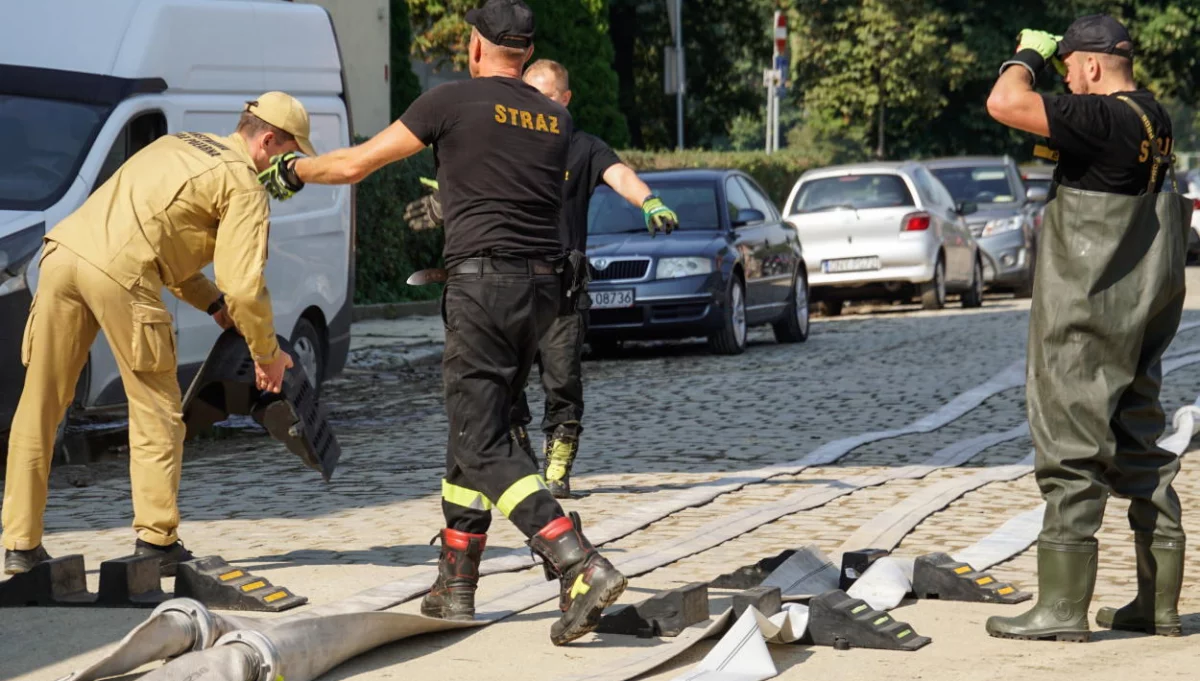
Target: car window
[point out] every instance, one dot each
(924, 187)
(935, 188)
(735, 198)
(858, 192)
(695, 203)
(978, 184)
(42, 144)
(758, 201)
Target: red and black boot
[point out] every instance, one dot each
(452, 596)
(589, 583)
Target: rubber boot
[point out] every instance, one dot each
(560, 451)
(452, 596)
(1155, 610)
(589, 583)
(1066, 580)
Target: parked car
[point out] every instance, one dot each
(1190, 185)
(884, 231)
(1005, 225)
(731, 264)
(84, 85)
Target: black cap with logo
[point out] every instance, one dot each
(504, 22)
(1096, 33)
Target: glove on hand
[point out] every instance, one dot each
(658, 216)
(280, 177)
(426, 212)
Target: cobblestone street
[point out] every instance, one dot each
(661, 420)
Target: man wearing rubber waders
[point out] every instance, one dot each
(1108, 296)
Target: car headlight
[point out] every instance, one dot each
(16, 252)
(671, 268)
(994, 227)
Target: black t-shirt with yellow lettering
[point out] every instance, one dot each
(1102, 142)
(501, 152)
(590, 157)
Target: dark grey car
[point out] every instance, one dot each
(1005, 224)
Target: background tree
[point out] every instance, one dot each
(572, 32)
(405, 86)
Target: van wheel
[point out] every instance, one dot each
(793, 327)
(973, 297)
(309, 346)
(730, 339)
(933, 293)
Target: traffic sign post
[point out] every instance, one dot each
(774, 78)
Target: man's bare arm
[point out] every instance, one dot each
(353, 164)
(626, 183)
(1014, 103)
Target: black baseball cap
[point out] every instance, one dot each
(504, 22)
(1095, 33)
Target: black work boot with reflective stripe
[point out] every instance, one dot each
(452, 596)
(1155, 610)
(560, 451)
(19, 562)
(588, 582)
(1066, 580)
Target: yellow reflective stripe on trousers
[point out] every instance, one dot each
(467, 498)
(519, 491)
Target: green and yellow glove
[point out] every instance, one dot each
(426, 212)
(280, 177)
(1034, 50)
(658, 216)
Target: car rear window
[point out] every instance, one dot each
(977, 184)
(857, 192)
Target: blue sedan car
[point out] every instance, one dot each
(733, 263)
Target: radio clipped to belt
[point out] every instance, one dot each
(575, 277)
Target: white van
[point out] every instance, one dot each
(85, 83)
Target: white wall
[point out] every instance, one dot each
(363, 32)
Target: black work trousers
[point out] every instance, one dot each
(494, 312)
(560, 364)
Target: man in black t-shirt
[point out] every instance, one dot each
(560, 352)
(501, 154)
(1108, 296)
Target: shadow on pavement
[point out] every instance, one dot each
(80, 632)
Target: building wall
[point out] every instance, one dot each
(363, 32)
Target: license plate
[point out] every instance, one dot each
(609, 299)
(850, 265)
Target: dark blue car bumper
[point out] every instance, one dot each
(662, 310)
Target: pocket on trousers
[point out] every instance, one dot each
(27, 336)
(153, 339)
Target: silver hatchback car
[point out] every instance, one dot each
(885, 231)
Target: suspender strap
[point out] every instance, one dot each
(1159, 157)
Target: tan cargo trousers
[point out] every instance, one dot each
(73, 302)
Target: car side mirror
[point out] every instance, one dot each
(1037, 194)
(748, 216)
(966, 207)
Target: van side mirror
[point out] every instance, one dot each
(966, 207)
(748, 216)
(1036, 194)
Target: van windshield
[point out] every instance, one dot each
(43, 142)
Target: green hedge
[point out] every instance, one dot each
(777, 172)
(387, 250)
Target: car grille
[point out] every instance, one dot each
(622, 316)
(620, 269)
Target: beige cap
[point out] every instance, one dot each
(286, 113)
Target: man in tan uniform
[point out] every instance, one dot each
(184, 201)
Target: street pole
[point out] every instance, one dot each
(679, 70)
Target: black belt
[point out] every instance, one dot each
(502, 266)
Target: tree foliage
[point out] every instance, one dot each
(405, 86)
(571, 32)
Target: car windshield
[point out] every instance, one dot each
(977, 184)
(852, 192)
(694, 202)
(43, 142)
